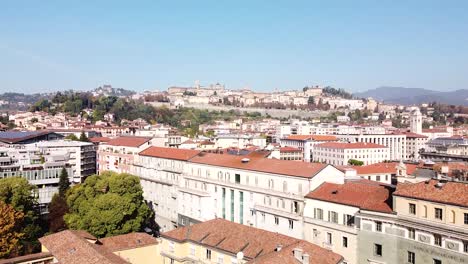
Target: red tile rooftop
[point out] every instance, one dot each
(289, 149)
(284, 167)
(128, 141)
(128, 241)
(364, 194)
(384, 167)
(259, 246)
(170, 153)
(357, 145)
(312, 137)
(454, 193)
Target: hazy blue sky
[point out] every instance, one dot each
(357, 45)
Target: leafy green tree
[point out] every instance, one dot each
(311, 100)
(83, 137)
(355, 162)
(108, 204)
(17, 192)
(72, 137)
(58, 206)
(64, 182)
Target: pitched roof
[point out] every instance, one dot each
(289, 149)
(27, 258)
(253, 242)
(357, 145)
(312, 137)
(455, 193)
(413, 135)
(368, 195)
(384, 167)
(13, 137)
(127, 141)
(285, 167)
(99, 139)
(170, 153)
(286, 255)
(128, 241)
(73, 247)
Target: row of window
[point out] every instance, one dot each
(333, 217)
(438, 213)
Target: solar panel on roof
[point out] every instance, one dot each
(18, 134)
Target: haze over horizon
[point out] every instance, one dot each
(360, 45)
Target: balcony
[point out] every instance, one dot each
(344, 228)
(270, 210)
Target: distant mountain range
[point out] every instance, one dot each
(408, 96)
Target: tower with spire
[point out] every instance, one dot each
(416, 121)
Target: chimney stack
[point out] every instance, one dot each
(298, 254)
(305, 258)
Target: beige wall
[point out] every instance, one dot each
(142, 255)
(401, 206)
(192, 251)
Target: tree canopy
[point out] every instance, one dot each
(10, 230)
(18, 193)
(355, 162)
(108, 204)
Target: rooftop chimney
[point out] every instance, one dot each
(298, 254)
(279, 247)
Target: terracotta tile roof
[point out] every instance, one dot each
(127, 141)
(368, 195)
(434, 130)
(286, 255)
(357, 145)
(27, 258)
(99, 139)
(452, 166)
(384, 167)
(289, 149)
(253, 242)
(284, 167)
(128, 241)
(455, 193)
(413, 135)
(72, 247)
(169, 153)
(312, 137)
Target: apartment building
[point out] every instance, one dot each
(428, 225)
(40, 168)
(161, 174)
(330, 214)
(82, 155)
(388, 172)
(118, 154)
(191, 186)
(414, 144)
(306, 143)
(396, 144)
(224, 242)
(338, 154)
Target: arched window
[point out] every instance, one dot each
(285, 186)
(271, 184)
(424, 211)
(452, 216)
